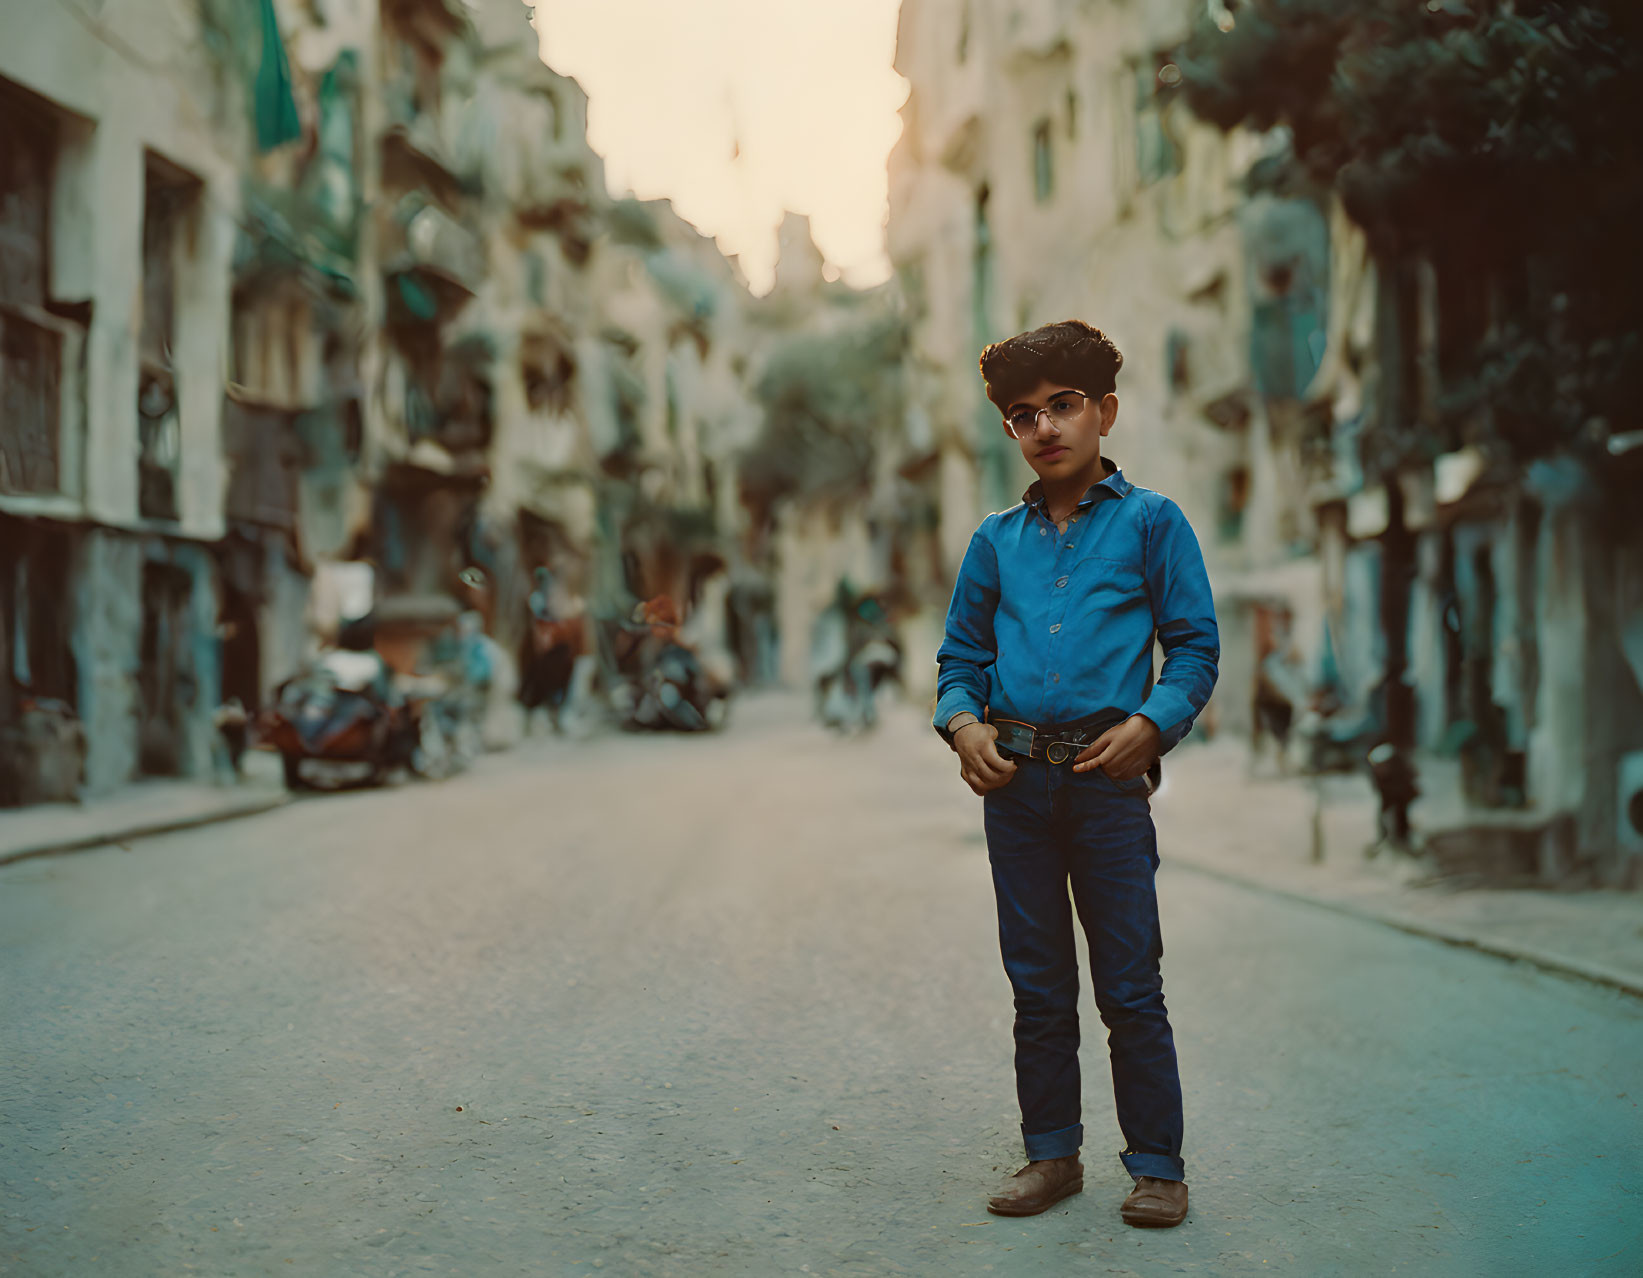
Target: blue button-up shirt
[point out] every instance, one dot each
(1050, 627)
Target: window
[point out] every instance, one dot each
(1288, 244)
(1234, 501)
(547, 371)
(536, 278)
(25, 199)
(1177, 361)
(170, 199)
(981, 283)
(1043, 163)
(32, 337)
(1156, 154)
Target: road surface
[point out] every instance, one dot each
(733, 1006)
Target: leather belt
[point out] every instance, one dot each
(1054, 743)
(1061, 743)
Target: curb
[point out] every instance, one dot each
(1594, 973)
(251, 807)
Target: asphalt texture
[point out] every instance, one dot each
(733, 1006)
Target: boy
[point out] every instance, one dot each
(1044, 695)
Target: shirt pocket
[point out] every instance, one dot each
(1121, 577)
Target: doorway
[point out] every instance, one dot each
(165, 678)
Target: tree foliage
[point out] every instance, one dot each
(1495, 138)
(827, 401)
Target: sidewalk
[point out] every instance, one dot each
(1258, 830)
(151, 807)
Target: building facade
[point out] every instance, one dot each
(1483, 614)
(1514, 591)
(289, 290)
(122, 189)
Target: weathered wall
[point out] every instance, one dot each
(129, 106)
(107, 632)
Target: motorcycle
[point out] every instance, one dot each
(853, 654)
(663, 683)
(847, 698)
(444, 717)
(336, 720)
(675, 692)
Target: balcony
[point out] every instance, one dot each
(1039, 30)
(435, 263)
(159, 442)
(415, 157)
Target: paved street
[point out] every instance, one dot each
(733, 1006)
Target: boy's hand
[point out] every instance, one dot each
(1124, 751)
(980, 764)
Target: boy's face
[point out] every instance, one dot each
(1064, 442)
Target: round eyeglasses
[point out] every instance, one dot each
(1062, 409)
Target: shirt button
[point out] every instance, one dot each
(1055, 678)
(1070, 546)
(1043, 532)
(1055, 627)
(1060, 582)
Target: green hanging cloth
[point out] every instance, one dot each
(277, 121)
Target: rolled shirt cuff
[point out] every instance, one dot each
(949, 708)
(1173, 714)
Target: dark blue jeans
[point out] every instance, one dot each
(1047, 827)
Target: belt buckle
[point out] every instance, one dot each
(1060, 751)
(1009, 736)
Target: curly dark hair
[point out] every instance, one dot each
(1070, 353)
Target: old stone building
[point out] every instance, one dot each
(118, 211)
(1482, 613)
(295, 290)
(1517, 589)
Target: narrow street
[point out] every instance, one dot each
(733, 1006)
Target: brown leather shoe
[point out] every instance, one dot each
(1155, 1204)
(1038, 1187)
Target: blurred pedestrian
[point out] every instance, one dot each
(830, 657)
(555, 638)
(1279, 690)
(233, 724)
(875, 657)
(1043, 693)
(1396, 786)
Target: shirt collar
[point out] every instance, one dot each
(1114, 483)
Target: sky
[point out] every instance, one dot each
(804, 88)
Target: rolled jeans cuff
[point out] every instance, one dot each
(1061, 1144)
(1158, 1166)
